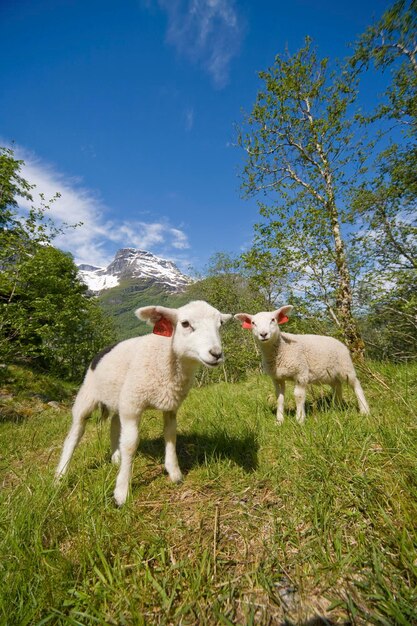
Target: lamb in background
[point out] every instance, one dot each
(303, 359)
(155, 370)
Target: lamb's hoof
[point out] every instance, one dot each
(176, 476)
(115, 458)
(280, 420)
(119, 497)
(58, 478)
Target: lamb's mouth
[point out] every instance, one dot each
(211, 363)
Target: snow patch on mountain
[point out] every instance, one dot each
(130, 263)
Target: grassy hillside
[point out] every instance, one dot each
(121, 302)
(293, 524)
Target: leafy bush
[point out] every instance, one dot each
(45, 317)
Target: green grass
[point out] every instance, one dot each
(272, 525)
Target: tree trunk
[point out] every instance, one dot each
(348, 325)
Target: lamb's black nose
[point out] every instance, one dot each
(263, 335)
(216, 353)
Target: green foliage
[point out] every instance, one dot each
(45, 317)
(334, 234)
(271, 525)
(299, 126)
(391, 43)
(390, 325)
(386, 203)
(301, 150)
(12, 186)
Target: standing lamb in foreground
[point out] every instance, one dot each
(156, 370)
(303, 359)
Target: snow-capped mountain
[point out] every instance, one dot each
(130, 263)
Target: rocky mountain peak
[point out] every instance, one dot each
(130, 263)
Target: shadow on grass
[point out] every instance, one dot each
(194, 450)
(327, 403)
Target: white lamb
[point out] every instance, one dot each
(303, 359)
(156, 370)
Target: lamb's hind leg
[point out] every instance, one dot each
(300, 399)
(84, 405)
(129, 438)
(338, 391)
(357, 388)
(170, 435)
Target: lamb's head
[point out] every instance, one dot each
(265, 325)
(194, 328)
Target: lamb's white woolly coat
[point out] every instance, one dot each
(141, 372)
(307, 359)
(155, 370)
(304, 359)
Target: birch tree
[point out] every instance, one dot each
(301, 154)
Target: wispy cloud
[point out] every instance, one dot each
(208, 32)
(99, 236)
(189, 119)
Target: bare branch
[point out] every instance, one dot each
(294, 176)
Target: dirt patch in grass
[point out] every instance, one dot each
(238, 532)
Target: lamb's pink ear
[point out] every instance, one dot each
(163, 327)
(245, 319)
(281, 314)
(161, 317)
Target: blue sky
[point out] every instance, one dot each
(128, 110)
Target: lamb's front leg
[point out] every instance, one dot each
(129, 438)
(170, 435)
(280, 391)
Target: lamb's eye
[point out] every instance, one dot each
(253, 323)
(185, 324)
(273, 320)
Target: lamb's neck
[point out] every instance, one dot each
(182, 371)
(269, 351)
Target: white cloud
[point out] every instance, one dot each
(208, 32)
(99, 236)
(189, 119)
(180, 240)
